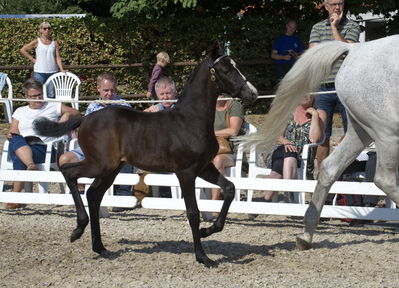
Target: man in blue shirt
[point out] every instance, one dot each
(106, 87)
(286, 50)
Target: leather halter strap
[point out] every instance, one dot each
(216, 78)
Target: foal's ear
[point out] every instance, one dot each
(216, 51)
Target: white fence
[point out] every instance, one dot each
(359, 188)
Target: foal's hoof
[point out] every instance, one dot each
(107, 254)
(76, 234)
(205, 232)
(302, 244)
(207, 262)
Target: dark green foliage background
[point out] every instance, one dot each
(93, 40)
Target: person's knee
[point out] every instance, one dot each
(68, 157)
(218, 162)
(275, 175)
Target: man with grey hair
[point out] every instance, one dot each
(336, 27)
(165, 89)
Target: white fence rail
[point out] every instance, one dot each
(359, 188)
(61, 199)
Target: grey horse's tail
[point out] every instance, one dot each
(304, 77)
(46, 127)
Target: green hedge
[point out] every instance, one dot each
(91, 40)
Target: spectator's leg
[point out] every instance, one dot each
(72, 156)
(24, 153)
(342, 111)
(272, 196)
(289, 172)
(370, 200)
(125, 190)
(221, 162)
(41, 77)
(21, 156)
(325, 102)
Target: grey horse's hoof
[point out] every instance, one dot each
(302, 244)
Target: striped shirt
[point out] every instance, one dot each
(321, 32)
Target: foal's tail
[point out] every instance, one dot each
(304, 77)
(46, 127)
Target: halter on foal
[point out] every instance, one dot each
(180, 140)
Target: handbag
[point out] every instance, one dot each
(223, 140)
(224, 145)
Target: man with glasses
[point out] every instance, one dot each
(336, 27)
(26, 148)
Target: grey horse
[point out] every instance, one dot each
(368, 86)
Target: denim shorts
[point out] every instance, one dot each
(328, 103)
(38, 152)
(79, 153)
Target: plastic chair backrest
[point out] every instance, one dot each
(8, 105)
(66, 87)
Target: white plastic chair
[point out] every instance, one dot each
(8, 107)
(66, 87)
(6, 164)
(255, 170)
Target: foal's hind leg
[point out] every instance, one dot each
(211, 174)
(387, 167)
(187, 184)
(331, 168)
(71, 178)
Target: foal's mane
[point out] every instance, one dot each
(191, 78)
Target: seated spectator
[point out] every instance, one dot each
(26, 147)
(106, 87)
(305, 127)
(165, 89)
(229, 126)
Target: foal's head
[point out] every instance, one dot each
(227, 76)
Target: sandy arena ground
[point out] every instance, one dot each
(153, 248)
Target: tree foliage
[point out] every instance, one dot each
(154, 9)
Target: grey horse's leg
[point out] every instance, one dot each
(332, 167)
(387, 167)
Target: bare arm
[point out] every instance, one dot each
(13, 128)
(316, 132)
(68, 112)
(152, 108)
(235, 125)
(26, 48)
(58, 57)
(334, 21)
(276, 56)
(288, 145)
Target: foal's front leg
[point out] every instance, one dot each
(211, 174)
(187, 184)
(95, 195)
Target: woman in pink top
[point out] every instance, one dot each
(47, 60)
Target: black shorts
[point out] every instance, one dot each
(278, 158)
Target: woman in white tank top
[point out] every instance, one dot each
(48, 60)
